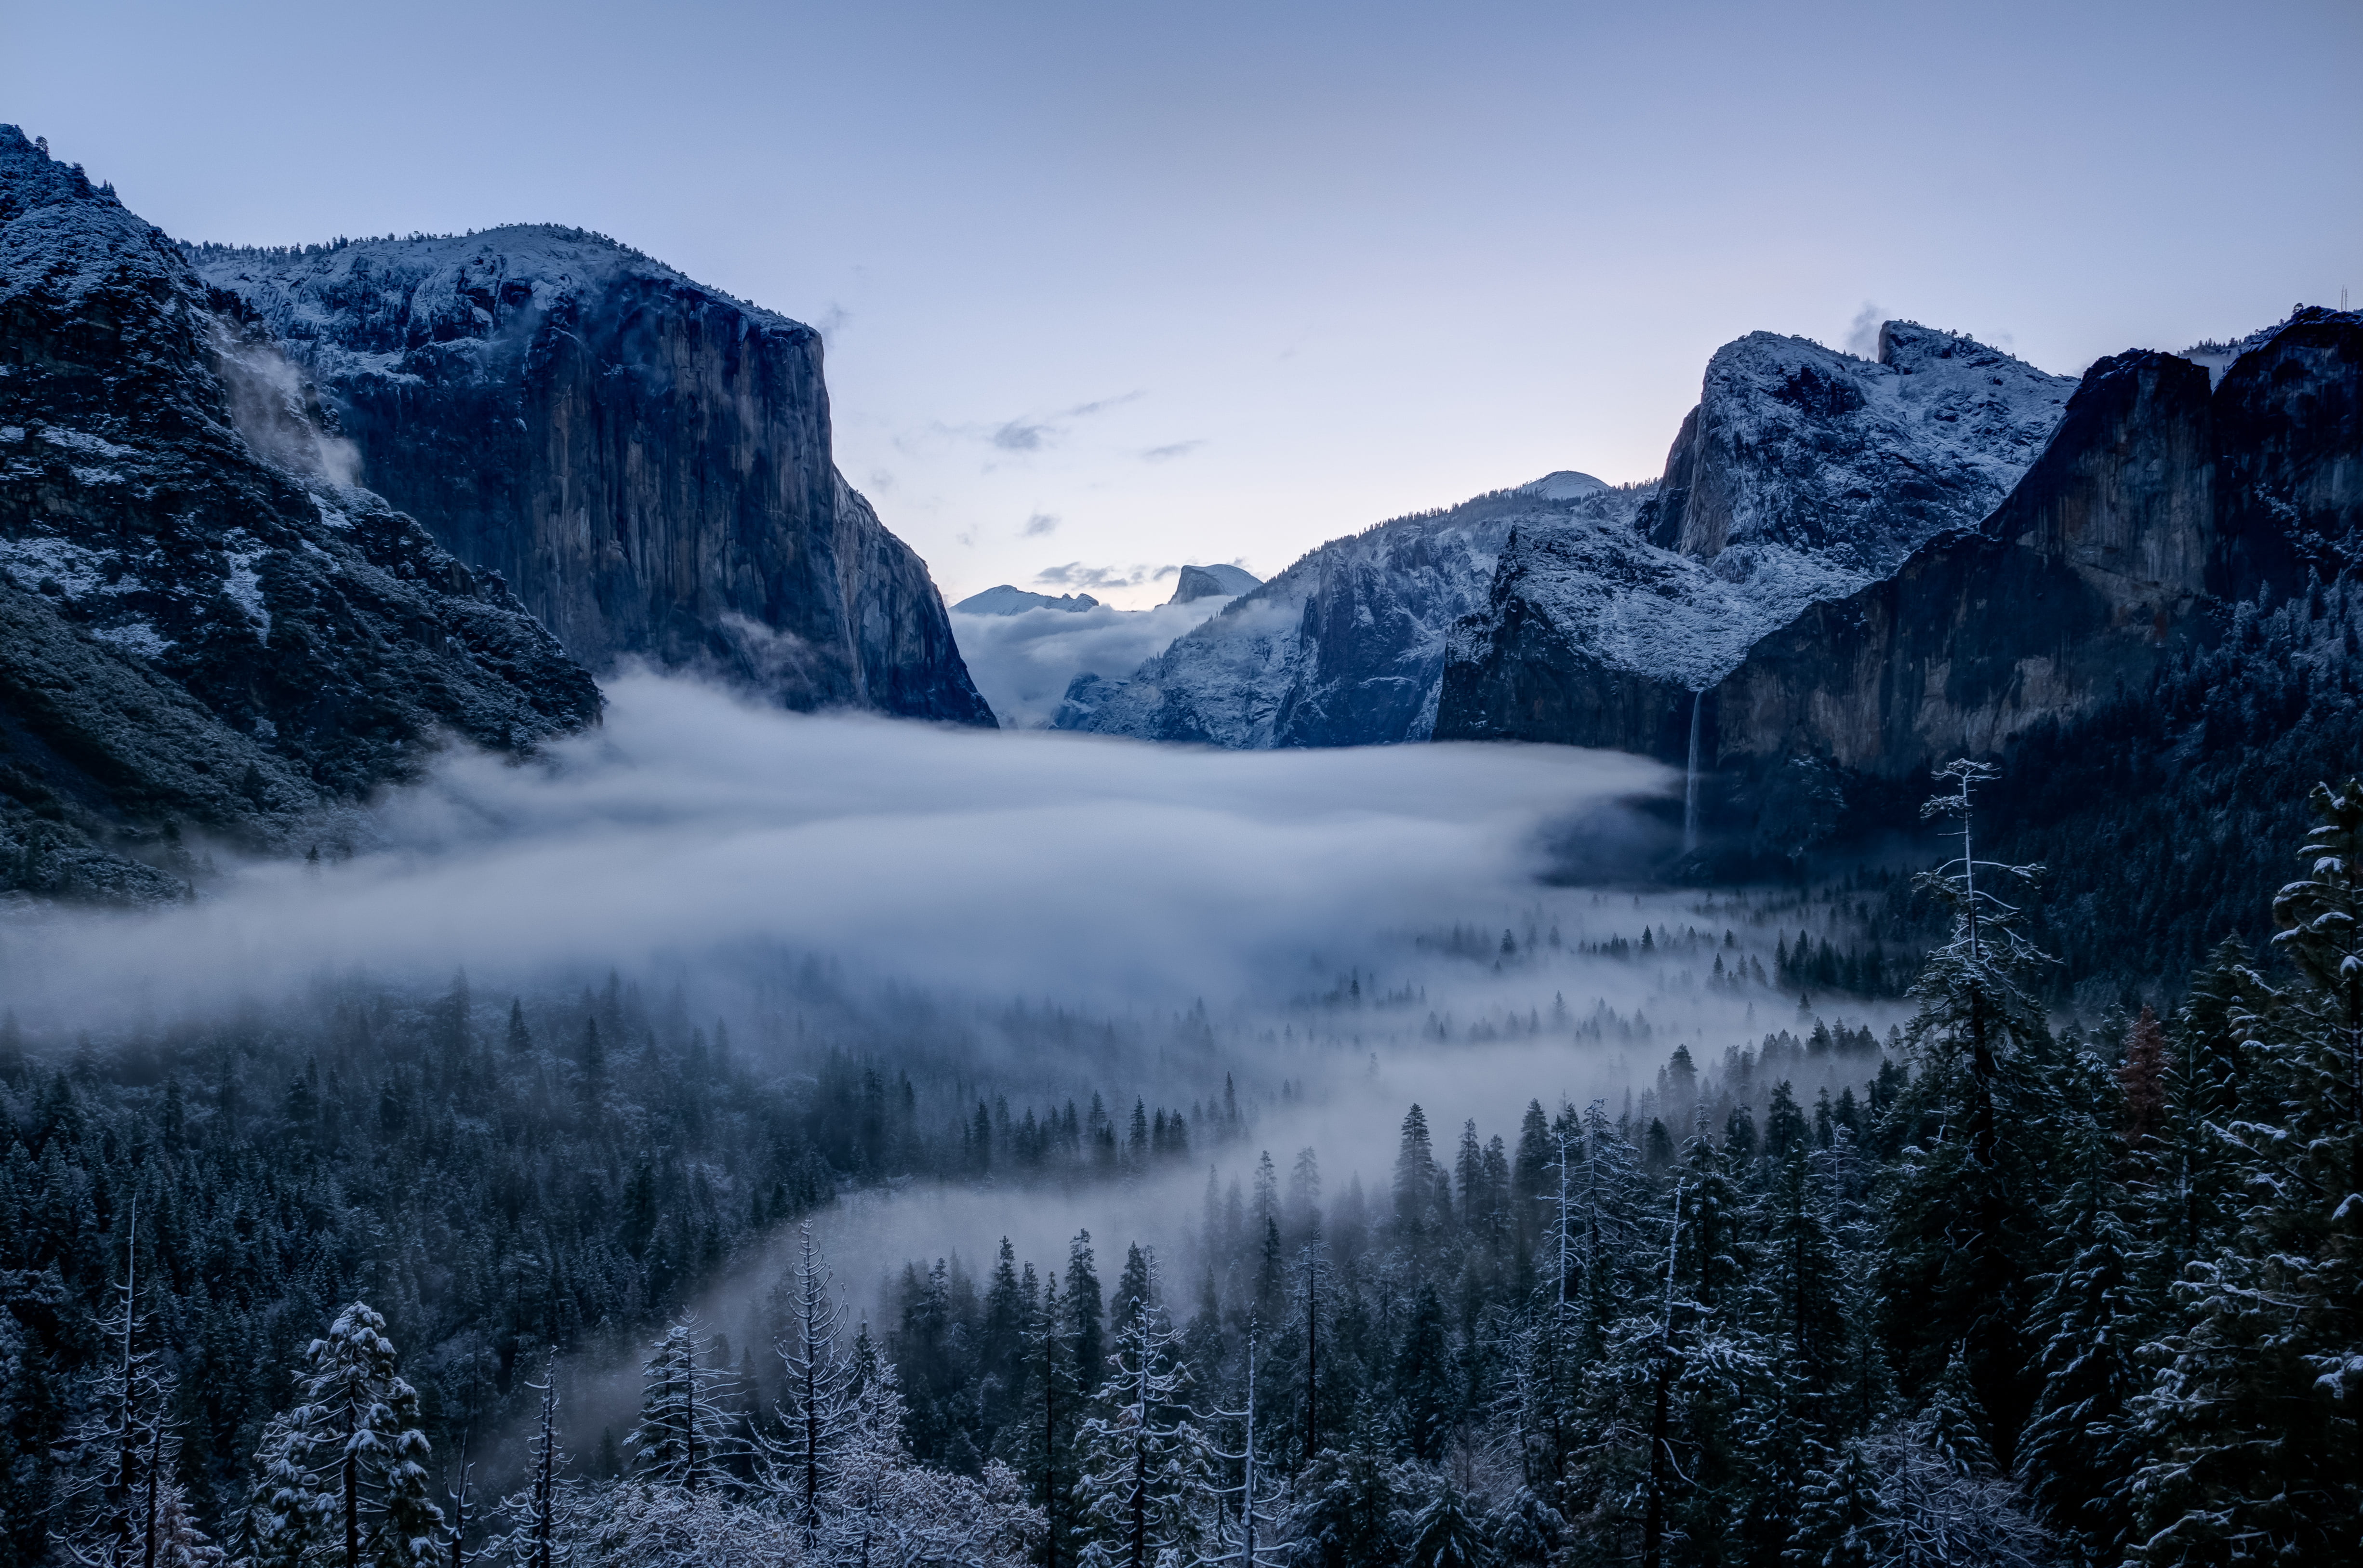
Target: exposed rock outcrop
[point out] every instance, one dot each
(204, 635)
(1195, 583)
(646, 460)
(2158, 508)
(1803, 475)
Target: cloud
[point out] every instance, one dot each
(1039, 524)
(1862, 334)
(1029, 433)
(1178, 448)
(1075, 574)
(698, 834)
(1022, 662)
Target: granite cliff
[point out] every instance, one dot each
(646, 460)
(2170, 495)
(207, 634)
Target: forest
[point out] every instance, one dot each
(322, 1285)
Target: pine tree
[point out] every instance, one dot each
(683, 1438)
(816, 1414)
(2089, 1322)
(1147, 1482)
(1346, 1510)
(342, 1477)
(2252, 1426)
(121, 1494)
(1964, 1216)
(1446, 1534)
(535, 1512)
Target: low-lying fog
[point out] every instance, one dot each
(1361, 928)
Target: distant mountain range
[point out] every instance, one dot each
(276, 523)
(1190, 583)
(1850, 568)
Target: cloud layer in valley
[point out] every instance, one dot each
(1101, 872)
(1022, 664)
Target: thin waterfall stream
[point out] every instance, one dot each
(1690, 781)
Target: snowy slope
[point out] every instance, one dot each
(1796, 447)
(1346, 646)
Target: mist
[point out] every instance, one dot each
(1331, 935)
(1022, 664)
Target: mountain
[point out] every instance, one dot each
(647, 461)
(1216, 582)
(2163, 518)
(1006, 600)
(206, 636)
(1803, 475)
(1342, 649)
(2095, 612)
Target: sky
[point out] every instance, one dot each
(1106, 289)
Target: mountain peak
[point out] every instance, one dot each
(1217, 581)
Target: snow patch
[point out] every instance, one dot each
(83, 442)
(134, 636)
(243, 586)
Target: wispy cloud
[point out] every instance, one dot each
(1075, 574)
(1032, 432)
(1167, 453)
(1041, 523)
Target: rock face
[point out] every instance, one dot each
(647, 461)
(1344, 648)
(203, 634)
(1197, 583)
(1798, 447)
(2157, 510)
(1803, 475)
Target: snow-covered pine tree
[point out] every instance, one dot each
(2089, 1322)
(684, 1437)
(816, 1411)
(1963, 1219)
(119, 1499)
(1346, 1509)
(1146, 1475)
(1245, 1534)
(342, 1477)
(1939, 1500)
(883, 1511)
(2252, 1427)
(1448, 1533)
(538, 1513)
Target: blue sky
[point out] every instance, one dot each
(1110, 287)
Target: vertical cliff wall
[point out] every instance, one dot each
(647, 461)
(2157, 507)
(204, 633)
(1803, 475)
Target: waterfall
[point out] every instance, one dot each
(1690, 786)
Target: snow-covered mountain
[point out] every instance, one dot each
(1217, 581)
(1006, 600)
(207, 632)
(1346, 646)
(1802, 474)
(645, 459)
